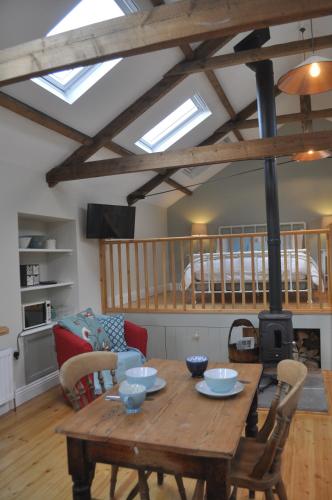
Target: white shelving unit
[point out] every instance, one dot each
(44, 287)
(44, 250)
(60, 265)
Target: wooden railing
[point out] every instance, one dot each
(214, 273)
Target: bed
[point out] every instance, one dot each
(249, 271)
(244, 267)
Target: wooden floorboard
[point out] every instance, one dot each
(33, 458)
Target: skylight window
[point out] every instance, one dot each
(183, 119)
(70, 84)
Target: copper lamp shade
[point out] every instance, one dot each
(312, 76)
(311, 155)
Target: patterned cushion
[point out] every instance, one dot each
(114, 328)
(86, 326)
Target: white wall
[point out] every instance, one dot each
(27, 152)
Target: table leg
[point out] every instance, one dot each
(217, 480)
(81, 470)
(252, 419)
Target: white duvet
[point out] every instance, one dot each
(208, 269)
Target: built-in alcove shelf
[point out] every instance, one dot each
(44, 287)
(45, 250)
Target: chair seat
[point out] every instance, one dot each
(247, 455)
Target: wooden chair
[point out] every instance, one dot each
(257, 462)
(76, 380)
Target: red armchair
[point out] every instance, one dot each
(68, 345)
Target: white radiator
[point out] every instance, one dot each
(6, 376)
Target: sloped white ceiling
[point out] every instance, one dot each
(23, 21)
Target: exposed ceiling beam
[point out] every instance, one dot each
(36, 116)
(136, 109)
(253, 55)
(288, 118)
(161, 27)
(195, 157)
(305, 105)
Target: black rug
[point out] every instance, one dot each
(313, 397)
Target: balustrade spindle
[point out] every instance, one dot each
(222, 274)
(253, 277)
(146, 275)
(231, 255)
(263, 271)
(164, 271)
(155, 274)
(212, 273)
(138, 284)
(202, 273)
(193, 287)
(120, 274)
(103, 275)
(183, 292)
(297, 281)
(243, 281)
(319, 259)
(128, 273)
(173, 276)
(308, 258)
(286, 270)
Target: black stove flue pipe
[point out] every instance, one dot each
(268, 128)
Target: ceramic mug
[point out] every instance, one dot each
(132, 396)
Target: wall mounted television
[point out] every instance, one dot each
(110, 221)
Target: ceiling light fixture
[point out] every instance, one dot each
(312, 76)
(311, 155)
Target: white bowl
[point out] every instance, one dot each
(220, 379)
(142, 375)
(24, 241)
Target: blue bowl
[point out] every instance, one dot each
(143, 375)
(197, 365)
(221, 380)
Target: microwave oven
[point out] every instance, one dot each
(36, 314)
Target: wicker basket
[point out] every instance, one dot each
(243, 356)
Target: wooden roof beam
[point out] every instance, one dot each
(159, 28)
(247, 56)
(195, 157)
(288, 118)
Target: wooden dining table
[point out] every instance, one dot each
(178, 431)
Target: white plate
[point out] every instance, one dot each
(159, 384)
(203, 388)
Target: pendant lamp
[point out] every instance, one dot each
(311, 155)
(307, 126)
(312, 76)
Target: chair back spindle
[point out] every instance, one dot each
(76, 376)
